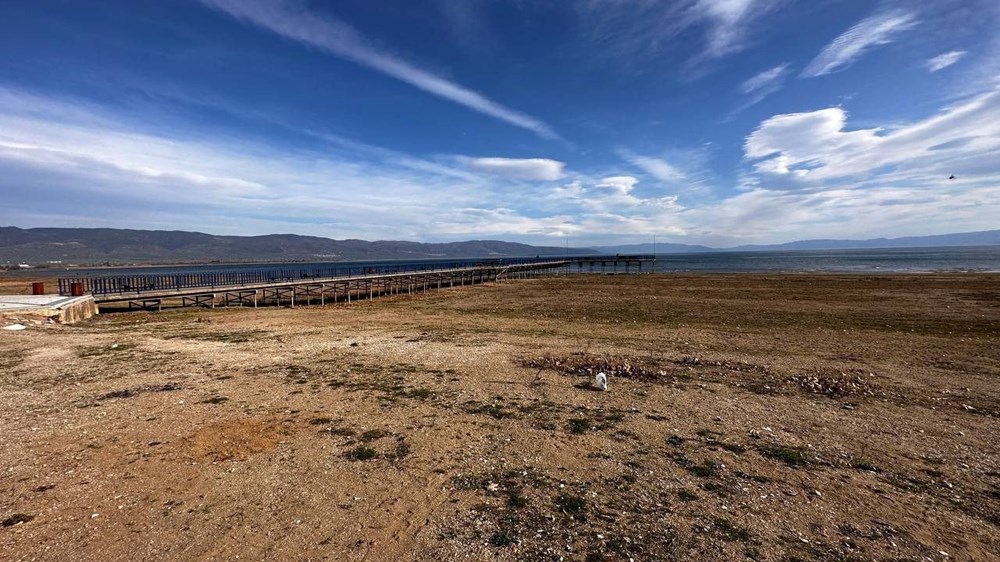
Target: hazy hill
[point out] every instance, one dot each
(100, 245)
(119, 246)
(981, 238)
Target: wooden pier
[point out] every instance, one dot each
(286, 287)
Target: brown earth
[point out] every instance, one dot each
(748, 417)
(21, 285)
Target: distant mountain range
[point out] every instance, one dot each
(981, 238)
(89, 246)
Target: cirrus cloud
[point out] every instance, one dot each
(634, 31)
(655, 167)
(944, 60)
(522, 168)
(343, 41)
(873, 31)
(765, 82)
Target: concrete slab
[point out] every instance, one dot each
(13, 302)
(41, 307)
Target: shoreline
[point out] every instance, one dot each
(21, 284)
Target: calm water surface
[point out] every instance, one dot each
(892, 260)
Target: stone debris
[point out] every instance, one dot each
(601, 381)
(840, 384)
(629, 367)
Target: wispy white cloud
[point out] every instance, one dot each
(165, 94)
(65, 160)
(542, 169)
(809, 175)
(608, 208)
(766, 81)
(944, 60)
(341, 40)
(61, 150)
(728, 22)
(873, 31)
(504, 222)
(765, 216)
(817, 151)
(632, 31)
(619, 184)
(655, 167)
(813, 176)
(761, 85)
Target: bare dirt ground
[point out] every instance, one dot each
(21, 285)
(748, 417)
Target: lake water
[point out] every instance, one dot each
(892, 260)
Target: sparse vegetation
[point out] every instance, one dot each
(361, 453)
(731, 532)
(420, 393)
(242, 336)
(597, 420)
(115, 351)
(706, 469)
(372, 435)
(515, 498)
(731, 447)
(578, 425)
(502, 538)
(16, 519)
(574, 506)
(130, 392)
(864, 465)
(494, 411)
(123, 393)
(11, 359)
(467, 482)
(686, 495)
(791, 457)
(401, 450)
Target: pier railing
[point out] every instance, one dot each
(178, 281)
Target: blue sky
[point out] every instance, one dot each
(716, 122)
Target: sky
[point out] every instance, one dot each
(718, 122)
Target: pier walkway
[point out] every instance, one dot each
(257, 287)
